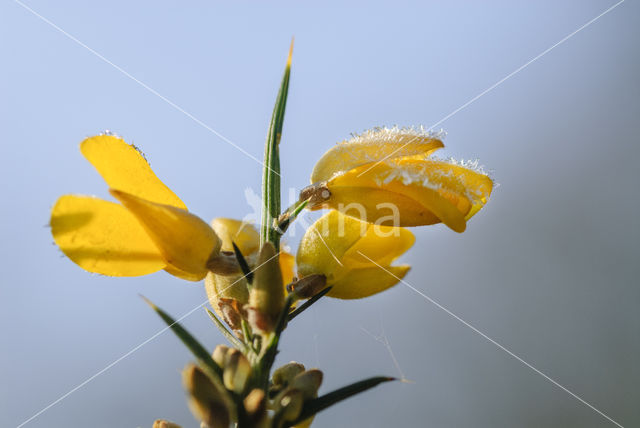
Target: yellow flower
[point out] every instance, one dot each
(150, 230)
(386, 176)
(350, 253)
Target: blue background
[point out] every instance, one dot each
(548, 269)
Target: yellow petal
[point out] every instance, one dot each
(325, 242)
(339, 255)
(382, 244)
(124, 167)
(378, 205)
(453, 179)
(388, 189)
(439, 205)
(373, 146)
(184, 240)
(103, 237)
(361, 283)
(287, 265)
(243, 234)
(188, 276)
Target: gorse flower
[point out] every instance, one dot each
(386, 176)
(373, 184)
(350, 254)
(150, 230)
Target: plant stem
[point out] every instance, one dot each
(290, 214)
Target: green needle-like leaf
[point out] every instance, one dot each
(246, 270)
(201, 354)
(226, 333)
(308, 303)
(271, 170)
(316, 405)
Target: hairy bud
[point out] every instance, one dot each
(236, 372)
(220, 354)
(208, 402)
(307, 382)
(255, 404)
(291, 404)
(266, 296)
(283, 375)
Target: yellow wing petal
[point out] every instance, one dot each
(325, 242)
(103, 237)
(382, 244)
(360, 283)
(373, 146)
(185, 241)
(124, 167)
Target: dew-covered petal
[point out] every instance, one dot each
(124, 167)
(453, 179)
(185, 241)
(372, 146)
(359, 283)
(243, 234)
(442, 207)
(398, 192)
(378, 205)
(103, 237)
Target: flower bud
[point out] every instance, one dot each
(255, 404)
(220, 354)
(266, 296)
(307, 382)
(283, 375)
(255, 401)
(161, 423)
(209, 402)
(227, 295)
(291, 404)
(236, 372)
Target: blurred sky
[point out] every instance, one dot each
(548, 269)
